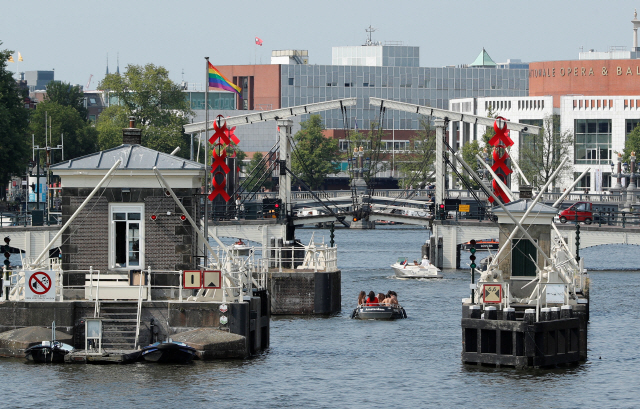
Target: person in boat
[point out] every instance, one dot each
(380, 298)
(240, 242)
(362, 298)
(392, 298)
(425, 262)
(372, 299)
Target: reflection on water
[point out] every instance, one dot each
(339, 362)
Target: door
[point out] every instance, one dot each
(521, 263)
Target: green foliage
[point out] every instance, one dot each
(13, 123)
(542, 155)
(157, 103)
(632, 144)
(79, 136)
(256, 171)
(67, 95)
(109, 126)
(418, 166)
(316, 156)
(469, 152)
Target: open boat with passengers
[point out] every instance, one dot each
(378, 312)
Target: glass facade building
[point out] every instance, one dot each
(305, 84)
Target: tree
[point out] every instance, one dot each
(418, 166)
(632, 144)
(109, 126)
(157, 103)
(469, 152)
(257, 176)
(13, 124)
(316, 156)
(371, 143)
(80, 138)
(540, 155)
(67, 95)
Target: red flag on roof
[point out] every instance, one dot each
(258, 41)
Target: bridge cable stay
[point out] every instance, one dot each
(294, 151)
(255, 174)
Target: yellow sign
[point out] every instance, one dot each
(464, 208)
(211, 279)
(192, 279)
(492, 293)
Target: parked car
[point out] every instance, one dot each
(580, 212)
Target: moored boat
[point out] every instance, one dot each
(485, 244)
(378, 312)
(169, 352)
(48, 352)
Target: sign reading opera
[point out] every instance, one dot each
(584, 77)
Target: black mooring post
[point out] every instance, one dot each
(151, 328)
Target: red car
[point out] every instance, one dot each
(580, 211)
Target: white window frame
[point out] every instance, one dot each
(128, 208)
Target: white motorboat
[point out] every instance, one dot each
(404, 269)
(239, 248)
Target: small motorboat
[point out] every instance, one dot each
(378, 312)
(239, 248)
(404, 269)
(48, 352)
(169, 352)
(485, 244)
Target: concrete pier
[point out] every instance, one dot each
(248, 324)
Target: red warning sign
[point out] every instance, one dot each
(40, 283)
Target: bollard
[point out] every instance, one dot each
(555, 313)
(509, 314)
(490, 313)
(545, 314)
(529, 316)
(566, 311)
(474, 311)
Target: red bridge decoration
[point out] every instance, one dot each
(500, 142)
(221, 139)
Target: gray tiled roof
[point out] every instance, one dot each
(522, 205)
(133, 157)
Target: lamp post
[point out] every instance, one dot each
(627, 171)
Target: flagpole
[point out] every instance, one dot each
(206, 171)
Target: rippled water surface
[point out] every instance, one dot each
(339, 362)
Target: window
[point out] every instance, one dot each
(290, 81)
(585, 182)
(126, 237)
(528, 140)
(631, 124)
(343, 146)
(592, 141)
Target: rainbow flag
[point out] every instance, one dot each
(217, 80)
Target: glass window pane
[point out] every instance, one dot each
(119, 216)
(133, 216)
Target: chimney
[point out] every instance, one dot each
(131, 135)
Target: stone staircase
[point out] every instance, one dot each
(119, 319)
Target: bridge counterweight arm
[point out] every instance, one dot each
(449, 115)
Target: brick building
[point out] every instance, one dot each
(116, 232)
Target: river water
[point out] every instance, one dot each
(339, 362)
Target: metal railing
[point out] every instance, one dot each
(315, 257)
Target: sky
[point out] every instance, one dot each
(74, 37)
